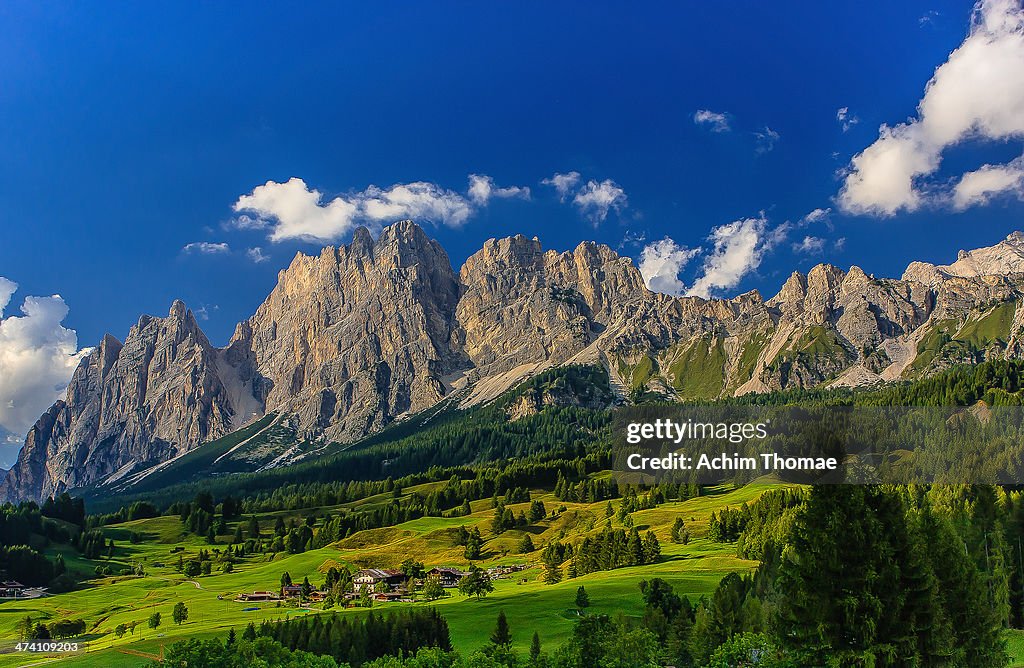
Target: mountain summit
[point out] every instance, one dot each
(364, 334)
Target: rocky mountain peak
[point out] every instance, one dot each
(1005, 257)
(793, 290)
(351, 339)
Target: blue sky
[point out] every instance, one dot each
(129, 133)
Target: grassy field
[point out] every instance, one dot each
(694, 569)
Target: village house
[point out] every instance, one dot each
(450, 577)
(11, 589)
(291, 591)
(258, 596)
(378, 580)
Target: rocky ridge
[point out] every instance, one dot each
(364, 334)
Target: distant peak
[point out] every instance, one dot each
(178, 309)
(1003, 258)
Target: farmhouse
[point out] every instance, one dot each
(258, 596)
(450, 577)
(11, 589)
(379, 580)
(291, 591)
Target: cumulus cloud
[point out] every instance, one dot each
(482, 189)
(738, 249)
(846, 119)
(38, 355)
(766, 139)
(419, 200)
(978, 93)
(810, 245)
(257, 255)
(292, 210)
(595, 200)
(980, 186)
(206, 248)
(713, 120)
(661, 262)
(564, 184)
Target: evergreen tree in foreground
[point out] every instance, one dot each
(501, 636)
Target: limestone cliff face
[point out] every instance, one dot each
(358, 336)
(152, 398)
(522, 305)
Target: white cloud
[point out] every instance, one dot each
(206, 248)
(563, 184)
(10, 444)
(738, 249)
(766, 139)
(203, 312)
(595, 200)
(631, 238)
(781, 232)
(482, 189)
(291, 210)
(244, 222)
(816, 216)
(257, 255)
(978, 93)
(661, 263)
(980, 186)
(419, 200)
(810, 245)
(716, 121)
(38, 355)
(840, 243)
(846, 119)
(7, 289)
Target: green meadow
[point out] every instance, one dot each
(104, 603)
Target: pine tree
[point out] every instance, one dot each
(582, 598)
(535, 650)
(501, 636)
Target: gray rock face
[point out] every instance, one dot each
(363, 334)
(521, 305)
(358, 335)
(153, 398)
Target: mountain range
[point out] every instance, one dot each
(373, 332)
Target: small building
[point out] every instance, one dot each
(378, 580)
(11, 589)
(291, 591)
(450, 577)
(258, 596)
